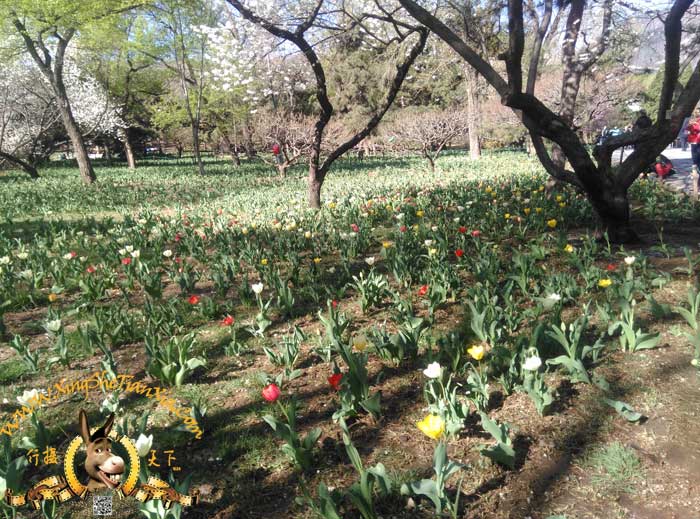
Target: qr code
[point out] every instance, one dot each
(101, 505)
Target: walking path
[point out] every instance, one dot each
(682, 163)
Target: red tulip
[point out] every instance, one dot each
(334, 380)
(476, 234)
(228, 320)
(459, 253)
(126, 261)
(354, 227)
(90, 269)
(73, 254)
(402, 228)
(462, 230)
(271, 392)
(193, 300)
(334, 304)
(611, 267)
(423, 290)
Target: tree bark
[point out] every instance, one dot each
(129, 150)
(315, 182)
(613, 209)
(87, 173)
(107, 154)
(26, 166)
(472, 114)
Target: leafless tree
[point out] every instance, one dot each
(429, 131)
(292, 133)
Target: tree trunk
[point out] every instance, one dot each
(282, 169)
(613, 208)
(196, 149)
(248, 142)
(315, 182)
(180, 148)
(234, 157)
(107, 155)
(129, 151)
(26, 166)
(76, 139)
(472, 114)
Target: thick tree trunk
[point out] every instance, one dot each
(129, 151)
(315, 183)
(26, 166)
(87, 173)
(613, 208)
(282, 169)
(472, 114)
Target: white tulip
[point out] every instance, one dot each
(144, 444)
(428, 243)
(370, 261)
(136, 254)
(433, 370)
(53, 326)
(28, 398)
(629, 260)
(167, 253)
(257, 288)
(532, 363)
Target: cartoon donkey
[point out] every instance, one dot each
(104, 468)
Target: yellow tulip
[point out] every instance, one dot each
(476, 351)
(538, 210)
(317, 260)
(52, 297)
(562, 204)
(507, 216)
(526, 211)
(386, 244)
(263, 262)
(605, 283)
(307, 235)
(360, 342)
(569, 248)
(432, 252)
(432, 426)
(559, 198)
(552, 223)
(420, 213)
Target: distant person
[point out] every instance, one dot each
(693, 133)
(663, 168)
(643, 121)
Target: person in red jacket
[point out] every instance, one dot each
(663, 168)
(693, 132)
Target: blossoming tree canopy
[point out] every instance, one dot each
(30, 116)
(45, 31)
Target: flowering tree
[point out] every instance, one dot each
(46, 30)
(606, 187)
(30, 118)
(429, 131)
(371, 23)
